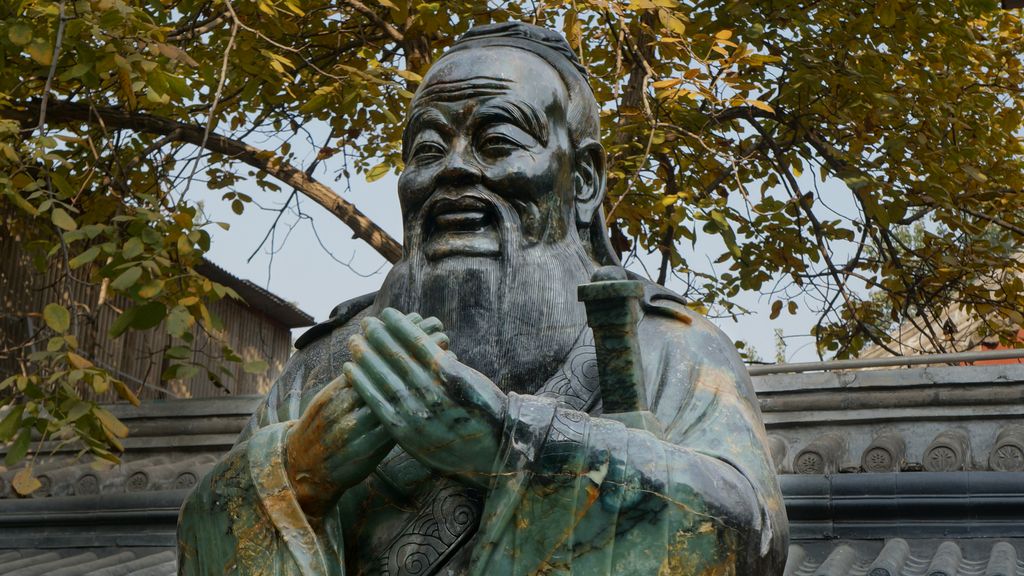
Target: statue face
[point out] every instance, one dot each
(488, 155)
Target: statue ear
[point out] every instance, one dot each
(590, 181)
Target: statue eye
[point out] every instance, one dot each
(498, 142)
(427, 150)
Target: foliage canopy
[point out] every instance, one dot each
(808, 138)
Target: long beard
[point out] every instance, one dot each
(512, 318)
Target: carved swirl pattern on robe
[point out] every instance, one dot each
(451, 515)
(576, 384)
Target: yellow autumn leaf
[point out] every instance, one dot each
(25, 483)
(78, 361)
(110, 422)
(761, 106)
(666, 83)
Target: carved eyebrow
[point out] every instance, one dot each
(425, 117)
(522, 114)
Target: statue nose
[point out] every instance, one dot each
(460, 169)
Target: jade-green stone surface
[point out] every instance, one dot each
(511, 402)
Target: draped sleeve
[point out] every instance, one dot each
(243, 517)
(578, 493)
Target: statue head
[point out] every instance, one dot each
(505, 120)
(501, 198)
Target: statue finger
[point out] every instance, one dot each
(412, 338)
(385, 411)
(471, 387)
(353, 426)
(404, 404)
(415, 318)
(374, 444)
(441, 339)
(383, 375)
(415, 377)
(431, 325)
(334, 401)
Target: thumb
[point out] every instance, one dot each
(469, 386)
(450, 370)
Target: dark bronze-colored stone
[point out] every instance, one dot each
(886, 453)
(473, 416)
(949, 451)
(822, 456)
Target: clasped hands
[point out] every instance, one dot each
(404, 386)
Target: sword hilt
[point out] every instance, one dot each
(613, 310)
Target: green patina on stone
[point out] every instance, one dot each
(472, 417)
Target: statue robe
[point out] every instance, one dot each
(572, 492)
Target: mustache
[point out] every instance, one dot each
(474, 197)
(506, 217)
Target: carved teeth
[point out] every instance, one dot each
(466, 221)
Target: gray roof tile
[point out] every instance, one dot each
(899, 558)
(93, 563)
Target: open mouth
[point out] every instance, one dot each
(465, 215)
(461, 226)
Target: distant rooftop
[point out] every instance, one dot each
(258, 298)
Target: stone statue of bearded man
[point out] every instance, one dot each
(452, 422)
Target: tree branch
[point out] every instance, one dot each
(369, 13)
(71, 113)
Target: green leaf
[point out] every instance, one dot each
(122, 323)
(141, 317)
(63, 220)
(9, 424)
(76, 71)
(127, 278)
(19, 34)
(886, 10)
(178, 321)
(132, 248)
(149, 315)
(84, 258)
(975, 173)
(78, 410)
(20, 202)
(255, 367)
(16, 452)
(179, 352)
(57, 317)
